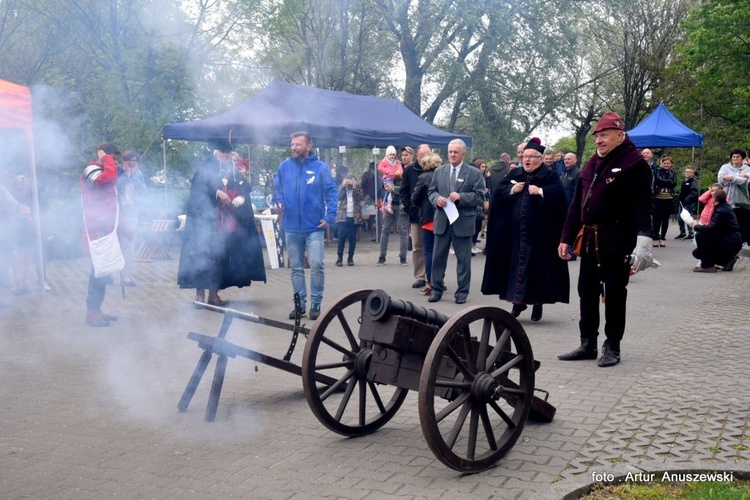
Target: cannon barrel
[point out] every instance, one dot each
(380, 305)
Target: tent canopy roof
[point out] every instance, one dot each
(332, 118)
(662, 129)
(15, 106)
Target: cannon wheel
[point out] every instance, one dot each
(353, 406)
(475, 396)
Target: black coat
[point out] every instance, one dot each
(523, 234)
(723, 230)
(419, 198)
(613, 192)
(411, 175)
(689, 192)
(220, 245)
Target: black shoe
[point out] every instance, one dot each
(518, 309)
(460, 299)
(293, 314)
(689, 236)
(381, 261)
(680, 236)
(435, 296)
(403, 262)
(339, 262)
(350, 262)
(419, 284)
(536, 312)
(611, 354)
(731, 263)
(314, 311)
(587, 350)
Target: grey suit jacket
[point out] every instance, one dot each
(469, 185)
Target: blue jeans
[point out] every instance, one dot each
(296, 244)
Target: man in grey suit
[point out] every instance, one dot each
(460, 184)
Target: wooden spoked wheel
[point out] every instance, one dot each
(476, 388)
(352, 406)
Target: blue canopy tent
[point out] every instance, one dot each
(661, 129)
(332, 118)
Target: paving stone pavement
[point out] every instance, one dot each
(91, 413)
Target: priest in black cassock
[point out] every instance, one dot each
(220, 246)
(526, 217)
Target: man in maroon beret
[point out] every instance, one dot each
(609, 224)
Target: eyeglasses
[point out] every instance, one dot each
(528, 157)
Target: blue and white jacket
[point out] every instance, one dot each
(307, 193)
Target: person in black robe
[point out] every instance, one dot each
(220, 247)
(526, 217)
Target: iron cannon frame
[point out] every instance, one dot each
(474, 373)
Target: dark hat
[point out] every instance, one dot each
(109, 148)
(609, 120)
(536, 144)
(222, 145)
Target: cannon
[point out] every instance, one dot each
(474, 373)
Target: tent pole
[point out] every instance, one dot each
(375, 199)
(164, 162)
(42, 278)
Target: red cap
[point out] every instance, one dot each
(609, 120)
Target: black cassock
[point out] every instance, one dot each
(523, 233)
(220, 245)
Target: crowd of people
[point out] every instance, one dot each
(535, 214)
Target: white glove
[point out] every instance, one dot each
(238, 201)
(642, 257)
(686, 217)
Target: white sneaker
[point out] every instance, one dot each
(474, 250)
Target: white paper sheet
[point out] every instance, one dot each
(451, 211)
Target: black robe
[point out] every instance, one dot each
(523, 234)
(220, 245)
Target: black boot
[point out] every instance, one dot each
(611, 354)
(518, 309)
(587, 350)
(339, 262)
(536, 312)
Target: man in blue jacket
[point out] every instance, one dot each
(306, 195)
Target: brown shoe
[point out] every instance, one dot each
(425, 290)
(215, 300)
(95, 318)
(699, 269)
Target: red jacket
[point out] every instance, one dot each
(100, 199)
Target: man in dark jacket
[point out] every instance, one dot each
(498, 171)
(570, 176)
(689, 201)
(720, 241)
(412, 171)
(611, 210)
